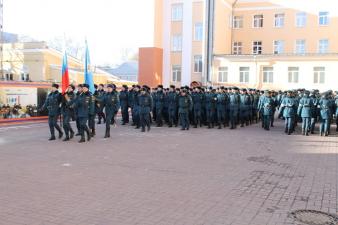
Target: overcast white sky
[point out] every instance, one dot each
(109, 25)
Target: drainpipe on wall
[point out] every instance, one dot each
(210, 12)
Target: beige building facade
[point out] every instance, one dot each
(251, 43)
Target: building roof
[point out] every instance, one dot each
(127, 68)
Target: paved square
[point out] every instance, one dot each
(165, 177)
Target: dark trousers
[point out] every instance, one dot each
(221, 115)
(172, 115)
(198, 116)
(210, 113)
(83, 126)
(184, 120)
(66, 124)
(324, 126)
(233, 118)
(101, 116)
(91, 122)
(313, 124)
(53, 124)
(109, 120)
(159, 119)
(306, 123)
(125, 114)
(145, 120)
(266, 121)
(289, 124)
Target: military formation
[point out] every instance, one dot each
(184, 107)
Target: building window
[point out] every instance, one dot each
(258, 21)
(25, 77)
(177, 12)
(198, 32)
(278, 47)
(176, 72)
(243, 74)
(267, 74)
(198, 64)
(323, 18)
(176, 43)
(293, 73)
(257, 47)
(301, 19)
(237, 22)
(323, 46)
(237, 48)
(300, 47)
(279, 20)
(222, 74)
(319, 75)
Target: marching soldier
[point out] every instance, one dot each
(145, 102)
(124, 96)
(234, 100)
(197, 99)
(159, 103)
(78, 93)
(100, 113)
(325, 114)
(67, 113)
(304, 111)
(52, 104)
(84, 106)
(244, 107)
(221, 107)
(267, 110)
(288, 107)
(210, 105)
(111, 104)
(184, 106)
(172, 106)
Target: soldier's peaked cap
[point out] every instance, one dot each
(85, 85)
(55, 85)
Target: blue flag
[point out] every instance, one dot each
(88, 74)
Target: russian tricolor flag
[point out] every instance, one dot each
(65, 76)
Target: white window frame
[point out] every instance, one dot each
(244, 74)
(223, 74)
(279, 20)
(301, 19)
(278, 47)
(268, 74)
(257, 49)
(237, 48)
(293, 75)
(258, 22)
(198, 64)
(176, 12)
(323, 18)
(176, 43)
(300, 46)
(198, 31)
(176, 73)
(237, 22)
(319, 75)
(323, 46)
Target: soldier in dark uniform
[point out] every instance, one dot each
(100, 113)
(111, 104)
(67, 113)
(325, 114)
(92, 114)
(244, 107)
(159, 103)
(288, 107)
(84, 106)
(172, 106)
(255, 98)
(78, 93)
(221, 107)
(304, 111)
(184, 106)
(234, 100)
(145, 102)
(336, 105)
(314, 111)
(124, 97)
(267, 110)
(197, 99)
(210, 106)
(52, 104)
(153, 93)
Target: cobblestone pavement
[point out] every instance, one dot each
(246, 176)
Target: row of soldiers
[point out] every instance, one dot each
(186, 106)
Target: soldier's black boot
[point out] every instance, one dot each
(93, 133)
(66, 138)
(148, 129)
(71, 134)
(209, 126)
(88, 134)
(60, 134)
(82, 139)
(107, 134)
(143, 129)
(52, 138)
(219, 126)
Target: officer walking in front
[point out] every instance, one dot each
(52, 104)
(111, 104)
(124, 97)
(288, 107)
(267, 110)
(184, 107)
(304, 111)
(145, 102)
(67, 113)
